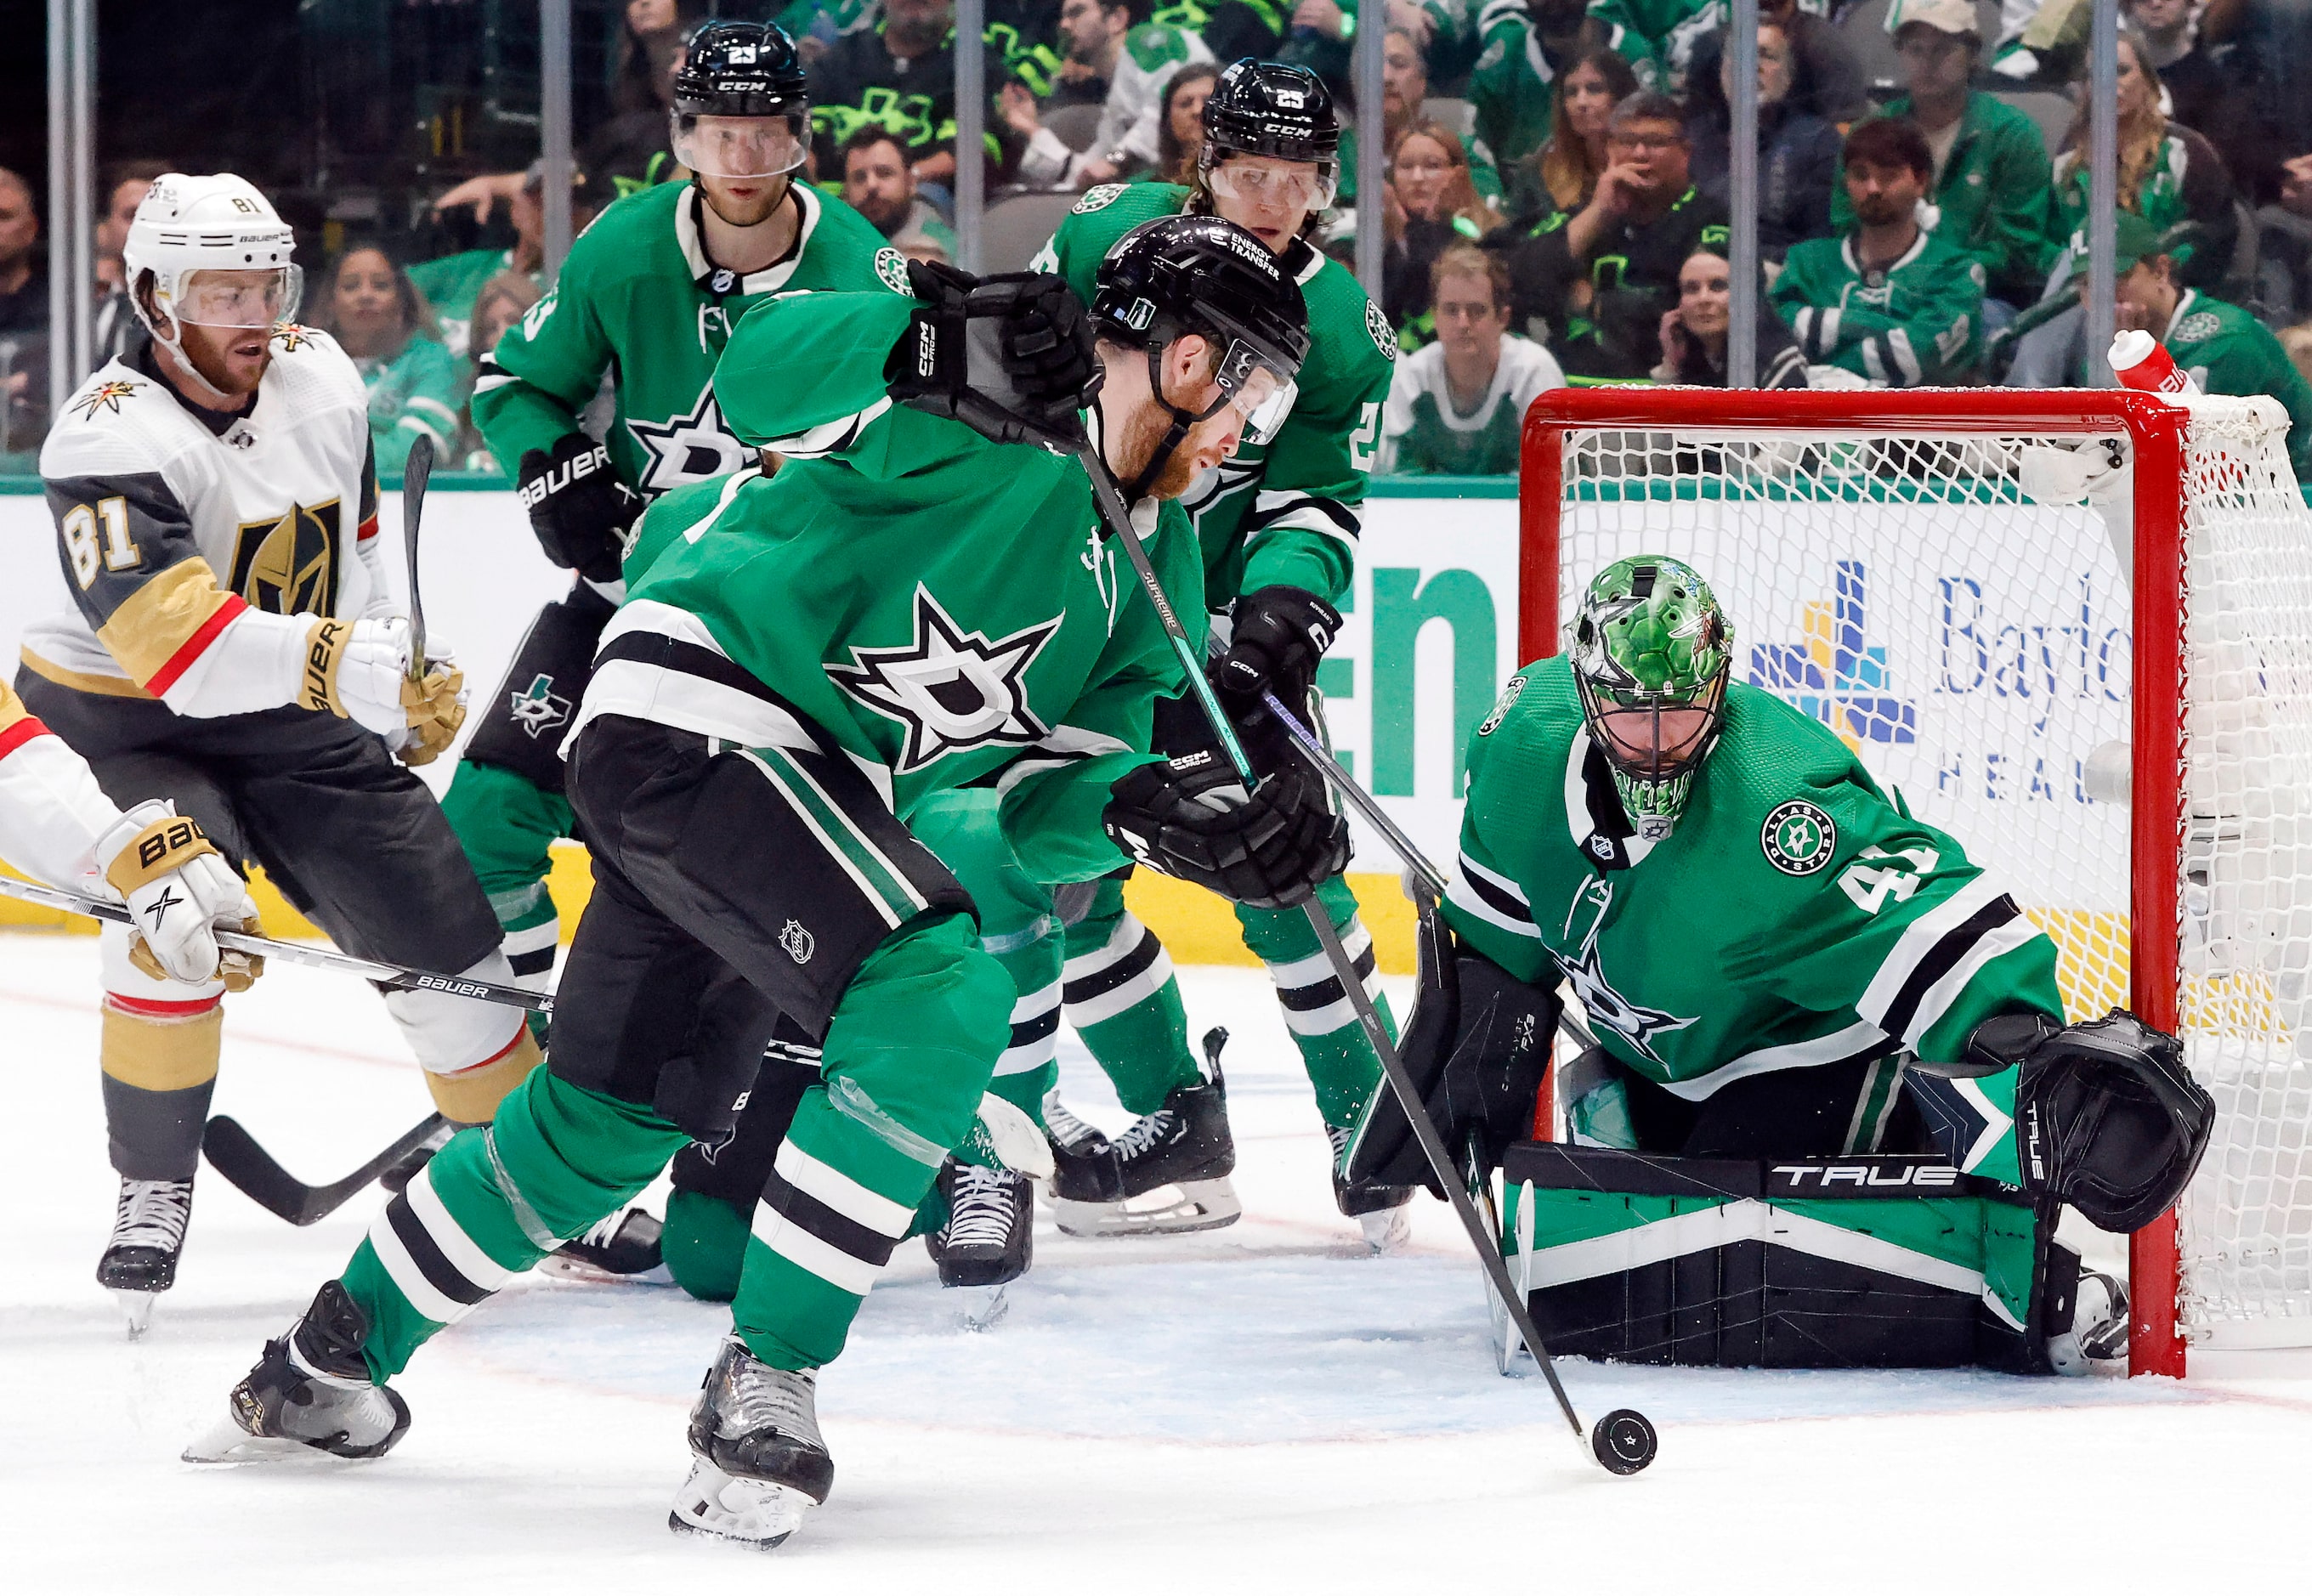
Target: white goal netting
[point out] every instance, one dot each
(1950, 603)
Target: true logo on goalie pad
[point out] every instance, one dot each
(1799, 838)
(1878, 1176)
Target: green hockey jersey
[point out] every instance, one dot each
(1285, 514)
(638, 298)
(2227, 350)
(1913, 323)
(1795, 916)
(948, 610)
(1513, 88)
(1421, 433)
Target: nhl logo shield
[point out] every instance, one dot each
(799, 943)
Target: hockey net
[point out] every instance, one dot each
(1943, 579)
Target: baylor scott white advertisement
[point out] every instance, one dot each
(1975, 669)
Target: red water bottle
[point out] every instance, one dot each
(2142, 362)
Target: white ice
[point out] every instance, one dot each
(1256, 1409)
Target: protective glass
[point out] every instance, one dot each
(739, 146)
(1652, 736)
(254, 298)
(1262, 394)
(1271, 184)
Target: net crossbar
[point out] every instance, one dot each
(2072, 629)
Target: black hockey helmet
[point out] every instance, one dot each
(741, 69)
(1176, 275)
(1266, 108)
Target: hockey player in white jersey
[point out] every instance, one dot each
(225, 639)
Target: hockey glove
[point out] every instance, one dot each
(354, 671)
(580, 510)
(1010, 356)
(2107, 1119)
(178, 888)
(436, 708)
(1189, 817)
(1278, 636)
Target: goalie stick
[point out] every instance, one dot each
(392, 977)
(1624, 1439)
(234, 1154)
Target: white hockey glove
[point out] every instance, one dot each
(354, 669)
(178, 888)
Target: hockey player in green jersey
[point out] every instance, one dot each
(921, 597)
(1779, 961)
(1279, 529)
(650, 292)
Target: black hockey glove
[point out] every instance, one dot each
(578, 507)
(1010, 356)
(1189, 817)
(1278, 636)
(2107, 1119)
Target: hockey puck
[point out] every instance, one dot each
(1623, 1441)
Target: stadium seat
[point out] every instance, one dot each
(1074, 125)
(1455, 116)
(2050, 108)
(1018, 223)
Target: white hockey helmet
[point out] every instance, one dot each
(188, 226)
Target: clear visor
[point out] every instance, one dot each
(739, 146)
(1265, 183)
(256, 297)
(1263, 395)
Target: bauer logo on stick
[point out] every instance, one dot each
(1799, 838)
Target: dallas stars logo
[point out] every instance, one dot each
(687, 449)
(104, 396)
(540, 708)
(1634, 1022)
(951, 689)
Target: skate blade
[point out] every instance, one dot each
(748, 1512)
(226, 1441)
(594, 1274)
(979, 1308)
(1198, 1205)
(137, 1306)
(1388, 1231)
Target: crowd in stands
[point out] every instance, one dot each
(1555, 203)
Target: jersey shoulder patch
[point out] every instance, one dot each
(891, 267)
(2198, 327)
(103, 399)
(1511, 693)
(1098, 197)
(1384, 339)
(1798, 837)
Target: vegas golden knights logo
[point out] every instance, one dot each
(289, 566)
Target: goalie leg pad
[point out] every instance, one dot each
(520, 726)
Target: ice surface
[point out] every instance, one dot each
(1260, 1408)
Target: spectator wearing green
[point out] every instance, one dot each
(1456, 406)
(1991, 183)
(1669, 30)
(1403, 90)
(2225, 349)
(414, 384)
(449, 283)
(1888, 300)
(1527, 50)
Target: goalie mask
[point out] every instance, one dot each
(1651, 655)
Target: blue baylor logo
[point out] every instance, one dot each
(1834, 675)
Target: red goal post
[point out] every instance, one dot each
(1830, 490)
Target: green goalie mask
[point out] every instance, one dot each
(1651, 655)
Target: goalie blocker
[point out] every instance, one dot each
(1783, 1257)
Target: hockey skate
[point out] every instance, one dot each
(1383, 1213)
(1065, 1132)
(2098, 1331)
(987, 1241)
(309, 1396)
(1168, 1174)
(148, 1236)
(620, 1247)
(758, 1464)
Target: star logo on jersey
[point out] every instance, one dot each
(687, 449)
(892, 267)
(1384, 337)
(291, 337)
(104, 396)
(951, 688)
(1634, 1022)
(540, 708)
(1798, 837)
(1835, 675)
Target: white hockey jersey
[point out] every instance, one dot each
(52, 813)
(198, 548)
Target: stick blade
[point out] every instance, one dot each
(234, 1154)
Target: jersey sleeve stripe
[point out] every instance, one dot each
(161, 628)
(1917, 940)
(1997, 942)
(368, 529)
(1899, 342)
(1489, 899)
(1961, 949)
(18, 729)
(1849, 1045)
(828, 437)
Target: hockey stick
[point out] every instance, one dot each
(392, 977)
(1623, 1440)
(234, 1154)
(415, 473)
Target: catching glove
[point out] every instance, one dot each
(578, 507)
(1010, 357)
(1278, 637)
(179, 889)
(1189, 817)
